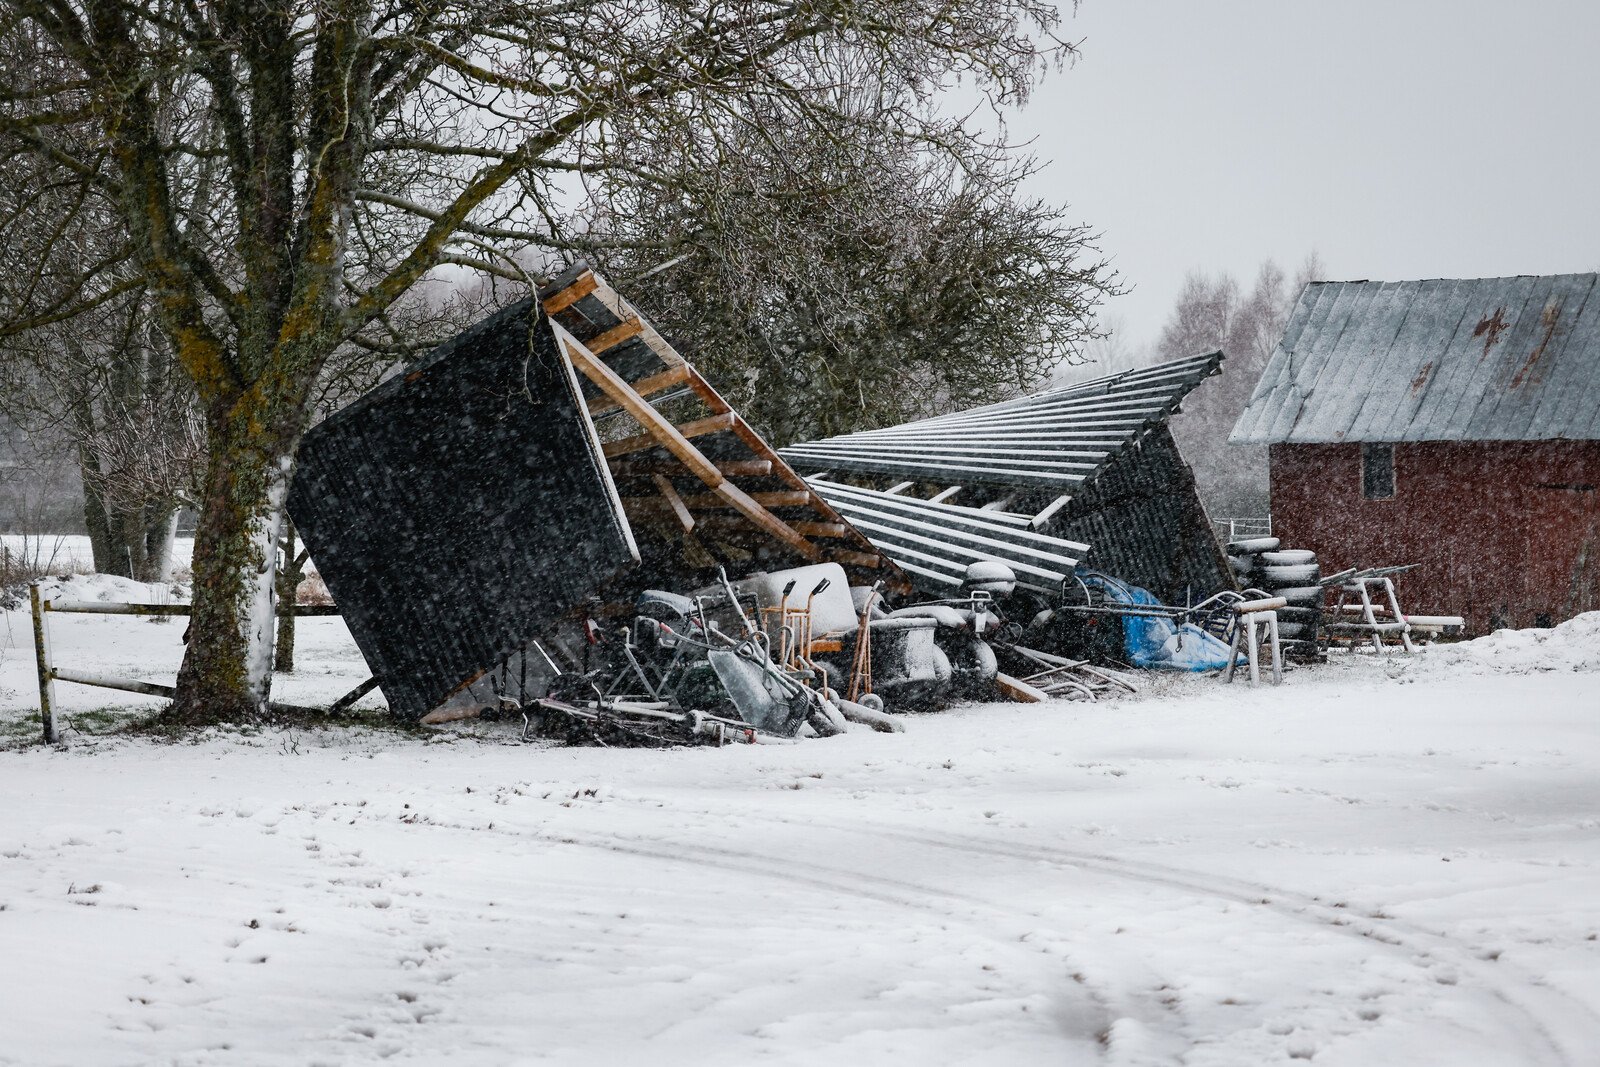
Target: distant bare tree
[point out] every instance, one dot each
(1109, 353)
(1213, 312)
(283, 174)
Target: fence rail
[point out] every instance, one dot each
(49, 673)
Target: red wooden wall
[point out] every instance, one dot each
(1508, 533)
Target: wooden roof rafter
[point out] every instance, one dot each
(747, 494)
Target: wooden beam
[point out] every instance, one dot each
(945, 494)
(681, 448)
(822, 529)
(784, 498)
(581, 287)
(765, 519)
(625, 331)
(625, 467)
(655, 424)
(679, 508)
(656, 383)
(640, 442)
(895, 490)
(858, 559)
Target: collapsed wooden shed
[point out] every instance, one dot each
(545, 465)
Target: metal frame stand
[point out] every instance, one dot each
(1247, 626)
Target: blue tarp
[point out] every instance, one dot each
(1156, 642)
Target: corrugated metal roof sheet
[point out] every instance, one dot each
(939, 541)
(1057, 439)
(1486, 359)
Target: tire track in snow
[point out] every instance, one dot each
(1549, 1002)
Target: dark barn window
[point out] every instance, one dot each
(1377, 471)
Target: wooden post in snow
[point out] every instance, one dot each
(41, 654)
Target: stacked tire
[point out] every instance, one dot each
(1292, 573)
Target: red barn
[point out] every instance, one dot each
(1454, 424)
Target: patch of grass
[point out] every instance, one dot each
(167, 727)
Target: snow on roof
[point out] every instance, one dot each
(1486, 359)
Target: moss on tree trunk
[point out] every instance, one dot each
(226, 672)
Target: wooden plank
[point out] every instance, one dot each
(822, 529)
(673, 440)
(783, 498)
(677, 374)
(580, 288)
(654, 423)
(945, 494)
(733, 468)
(899, 488)
(856, 559)
(626, 331)
(765, 519)
(640, 442)
(679, 508)
(1017, 689)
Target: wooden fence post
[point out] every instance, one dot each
(41, 652)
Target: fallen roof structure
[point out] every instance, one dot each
(1087, 473)
(557, 452)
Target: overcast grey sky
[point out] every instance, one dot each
(1400, 139)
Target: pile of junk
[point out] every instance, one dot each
(553, 519)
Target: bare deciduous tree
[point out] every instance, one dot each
(1212, 312)
(880, 268)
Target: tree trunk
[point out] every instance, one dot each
(107, 534)
(227, 669)
(161, 529)
(294, 569)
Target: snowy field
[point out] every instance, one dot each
(66, 553)
(1379, 863)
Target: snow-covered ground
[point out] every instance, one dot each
(65, 553)
(1379, 863)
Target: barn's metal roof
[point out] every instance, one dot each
(1486, 359)
(1055, 440)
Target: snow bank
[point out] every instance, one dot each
(1572, 646)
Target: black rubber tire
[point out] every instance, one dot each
(1242, 565)
(1297, 593)
(1253, 544)
(1290, 574)
(1288, 555)
(1299, 631)
(1297, 615)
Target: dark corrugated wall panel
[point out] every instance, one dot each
(459, 509)
(1144, 522)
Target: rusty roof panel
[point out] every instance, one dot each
(1487, 359)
